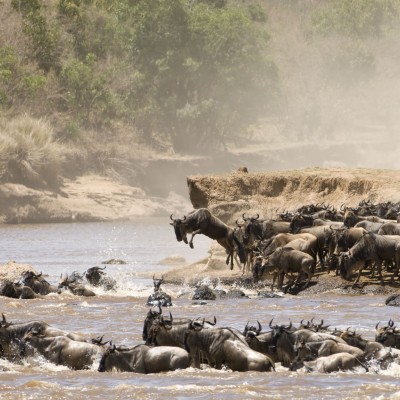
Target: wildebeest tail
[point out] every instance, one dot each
(240, 249)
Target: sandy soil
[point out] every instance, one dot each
(87, 198)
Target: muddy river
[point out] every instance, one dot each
(63, 248)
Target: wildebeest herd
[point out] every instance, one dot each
(32, 285)
(294, 245)
(291, 247)
(179, 343)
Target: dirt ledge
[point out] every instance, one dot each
(229, 195)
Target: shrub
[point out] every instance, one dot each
(28, 152)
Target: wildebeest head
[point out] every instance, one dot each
(157, 283)
(66, 281)
(29, 276)
(352, 338)
(7, 289)
(277, 331)
(387, 335)
(179, 228)
(251, 229)
(300, 221)
(350, 218)
(258, 268)
(151, 316)
(252, 330)
(344, 264)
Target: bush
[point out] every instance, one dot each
(28, 152)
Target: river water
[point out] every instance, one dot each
(62, 248)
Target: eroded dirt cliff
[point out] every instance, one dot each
(229, 195)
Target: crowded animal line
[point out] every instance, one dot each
(181, 343)
(294, 245)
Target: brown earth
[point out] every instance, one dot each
(229, 195)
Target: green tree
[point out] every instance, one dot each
(203, 72)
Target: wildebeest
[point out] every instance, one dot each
(256, 229)
(370, 247)
(224, 346)
(345, 238)
(151, 326)
(312, 350)
(17, 290)
(309, 244)
(97, 277)
(258, 340)
(300, 221)
(37, 283)
(75, 287)
(159, 297)
(12, 333)
(202, 221)
(287, 261)
(369, 226)
(285, 337)
(144, 359)
(333, 363)
(351, 219)
(62, 350)
(373, 351)
(169, 332)
(390, 228)
(388, 335)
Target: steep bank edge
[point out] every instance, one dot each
(229, 195)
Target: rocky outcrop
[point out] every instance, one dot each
(229, 195)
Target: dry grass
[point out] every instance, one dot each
(27, 142)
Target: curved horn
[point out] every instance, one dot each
(215, 321)
(259, 327)
(243, 216)
(270, 323)
(171, 217)
(258, 216)
(38, 275)
(391, 323)
(376, 326)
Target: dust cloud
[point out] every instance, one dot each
(340, 96)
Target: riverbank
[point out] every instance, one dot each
(87, 198)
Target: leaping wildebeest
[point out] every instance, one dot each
(202, 221)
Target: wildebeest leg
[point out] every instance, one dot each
(358, 276)
(281, 277)
(193, 235)
(230, 256)
(379, 268)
